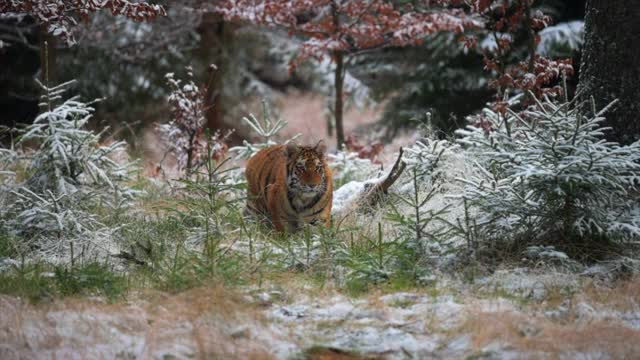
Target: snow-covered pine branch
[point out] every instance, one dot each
(69, 175)
(547, 174)
(569, 35)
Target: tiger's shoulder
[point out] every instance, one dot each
(275, 153)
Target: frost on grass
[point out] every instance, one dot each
(68, 175)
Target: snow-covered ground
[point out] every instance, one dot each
(510, 314)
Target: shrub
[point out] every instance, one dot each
(184, 135)
(68, 175)
(546, 175)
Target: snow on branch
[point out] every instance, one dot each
(185, 135)
(347, 26)
(60, 17)
(547, 174)
(569, 34)
(267, 129)
(68, 174)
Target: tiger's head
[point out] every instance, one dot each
(306, 168)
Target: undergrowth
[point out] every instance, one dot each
(547, 176)
(38, 282)
(541, 176)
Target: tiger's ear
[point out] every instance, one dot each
(320, 148)
(292, 148)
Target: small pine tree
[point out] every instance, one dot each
(267, 129)
(546, 175)
(68, 176)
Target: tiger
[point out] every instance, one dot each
(290, 185)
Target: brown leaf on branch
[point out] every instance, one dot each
(59, 17)
(364, 24)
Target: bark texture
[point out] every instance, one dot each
(216, 43)
(610, 66)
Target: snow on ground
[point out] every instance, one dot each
(452, 320)
(345, 198)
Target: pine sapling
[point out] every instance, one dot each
(184, 135)
(551, 177)
(266, 129)
(69, 177)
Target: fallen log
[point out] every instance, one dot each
(378, 191)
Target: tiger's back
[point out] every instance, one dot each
(290, 185)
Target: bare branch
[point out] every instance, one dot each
(378, 192)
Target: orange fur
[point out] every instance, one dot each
(290, 185)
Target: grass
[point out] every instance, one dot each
(7, 248)
(39, 282)
(553, 339)
(623, 296)
(157, 243)
(356, 256)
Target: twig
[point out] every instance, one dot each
(129, 257)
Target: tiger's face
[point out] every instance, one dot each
(306, 170)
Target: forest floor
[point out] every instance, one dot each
(513, 313)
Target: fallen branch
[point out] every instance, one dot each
(129, 257)
(378, 191)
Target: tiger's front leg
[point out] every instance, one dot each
(327, 213)
(327, 222)
(278, 217)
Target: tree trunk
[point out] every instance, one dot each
(47, 57)
(338, 56)
(339, 82)
(610, 66)
(216, 42)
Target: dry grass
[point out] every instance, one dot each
(624, 296)
(529, 334)
(334, 354)
(200, 321)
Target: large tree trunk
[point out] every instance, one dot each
(610, 66)
(216, 42)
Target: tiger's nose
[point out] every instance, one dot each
(313, 180)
